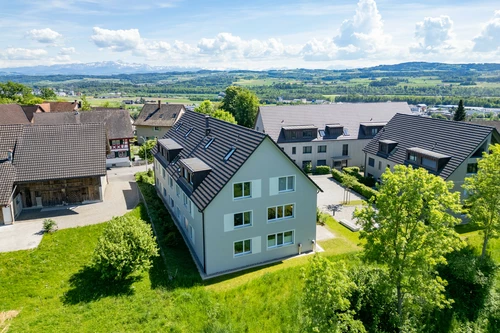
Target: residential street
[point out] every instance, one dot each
(120, 197)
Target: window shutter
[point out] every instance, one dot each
(228, 222)
(256, 188)
(273, 186)
(256, 245)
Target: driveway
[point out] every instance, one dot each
(121, 196)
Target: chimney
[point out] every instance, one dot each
(9, 155)
(207, 126)
(159, 103)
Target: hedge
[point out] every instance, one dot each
(354, 171)
(357, 187)
(322, 170)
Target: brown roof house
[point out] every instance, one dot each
(50, 165)
(11, 114)
(59, 106)
(119, 130)
(155, 120)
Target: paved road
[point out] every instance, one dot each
(120, 197)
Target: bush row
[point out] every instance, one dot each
(322, 170)
(357, 187)
(354, 171)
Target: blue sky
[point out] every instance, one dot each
(248, 34)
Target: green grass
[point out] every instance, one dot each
(54, 292)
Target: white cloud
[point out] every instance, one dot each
(46, 36)
(117, 40)
(67, 51)
(489, 38)
(433, 34)
(23, 54)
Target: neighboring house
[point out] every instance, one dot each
(449, 149)
(236, 198)
(59, 106)
(119, 130)
(50, 165)
(332, 135)
(156, 119)
(30, 110)
(491, 123)
(11, 114)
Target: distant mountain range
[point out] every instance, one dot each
(94, 68)
(118, 67)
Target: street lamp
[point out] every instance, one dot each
(145, 152)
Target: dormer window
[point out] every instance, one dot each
(386, 146)
(193, 171)
(307, 134)
(374, 131)
(428, 159)
(170, 149)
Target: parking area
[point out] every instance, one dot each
(330, 200)
(120, 197)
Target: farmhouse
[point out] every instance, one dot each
(50, 165)
(237, 199)
(156, 119)
(333, 134)
(119, 130)
(448, 149)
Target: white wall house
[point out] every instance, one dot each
(449, 149)
(236, 198)
(333, 134)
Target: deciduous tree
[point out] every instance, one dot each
(85, 104)
(242, 104)
(205, 107)
(410, 231)
(484, 195)
(47, 94)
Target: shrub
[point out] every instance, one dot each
(127, 245)
(150, 173)
(307, 167)
(322, 170)
(49, 225)
(353, 171)
(362, 189)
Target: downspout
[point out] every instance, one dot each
(204, 250)
(364, 167)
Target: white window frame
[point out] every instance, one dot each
(170, 181)
(276, 245)
(243, 253)
(277, 219)
(243, 217)
(243, 190)
(286, 180)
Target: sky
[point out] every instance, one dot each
(252, 34)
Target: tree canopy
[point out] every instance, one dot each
(85, 104)
(12, 92)
(410, 231)
(242, 104)
(47, 94)
(484, 195)
(210, 109)
(460, 114)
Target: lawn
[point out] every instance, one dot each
(54, 292)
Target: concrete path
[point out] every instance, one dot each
(322, 233)
(120, 197)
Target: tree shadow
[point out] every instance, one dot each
(87, 285)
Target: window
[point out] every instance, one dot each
(242, 247)
(294, 150)
(286, 184)
(412, 157)
(321, 133)
(242, 190)
(157, 128)
(170, 182)
(293, 135)
(371, 162)
(163, 172)
(345, 150)
(188, 132)
(172, 204)
(191, 233)
(379, 165)
(279, 239)
(472, 168)
(243, 219)
(230, 152)
(307, 134)
(427, 162)
(320, 162)
(209, 143)
(280, 212)
(346, 132)
(374, 131)
(307, 149)
(186, 201)
(164, 192)
(177, 190)
(321, 149)
(115, 142)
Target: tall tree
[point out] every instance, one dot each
(242, 104)
(48, 94)
(484, 195)
(410, 231)
(223, 115)
(12, 92)
(205, 107)
(325, 304)
(85, 104)
(460, 114)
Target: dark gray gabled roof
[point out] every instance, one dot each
(48, 152)
(444, 138)
(226, 136)
(165, 115)
(347, 115)
(117, 122)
